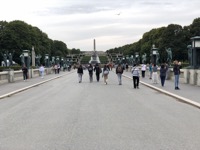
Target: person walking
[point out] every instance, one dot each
(119, 72)
(80, 73)
(98, 70)
(105, 73)
(58, 68)
(41, 70)
(143, 70)
(150, 71)
(55, 68)
(163, 71)
(126, 67)
(90, 70)
(25, 72)
(155, 74)
(176, 71)
(136, 76)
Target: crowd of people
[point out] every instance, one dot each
(135, 71)
(153, 69)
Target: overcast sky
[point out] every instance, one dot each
(112, 23)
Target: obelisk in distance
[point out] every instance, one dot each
(94, 45)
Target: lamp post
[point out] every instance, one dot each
(27, 58)
(131, 59)
(154, 53)
(196, 52)
(46, 60)
(127, 59)
(136, 57)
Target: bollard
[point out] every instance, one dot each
(10, 75)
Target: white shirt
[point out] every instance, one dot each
(143, 67)
(41, 69)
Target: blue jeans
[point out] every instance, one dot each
(176, 80)
(119, 75)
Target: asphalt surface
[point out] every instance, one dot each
(187, 93)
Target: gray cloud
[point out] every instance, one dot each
(78, 22)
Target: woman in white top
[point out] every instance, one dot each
(41, 70)
(143, 70)
(136, 75)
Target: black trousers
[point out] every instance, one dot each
(25, 76)
(97, 76)
(162, 78)
(135, 81)
(143, 74)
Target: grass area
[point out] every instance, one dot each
(85, 59)
(103, 59)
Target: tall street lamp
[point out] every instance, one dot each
(196, 51)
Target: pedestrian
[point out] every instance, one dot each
(41, 70)
(98, 70)
(126, 67)
(55, 68)
(168, 70)
(143, 70)
(155, 74)
(80, 73)
(58, 69)
(105, 74)
(150, 71)
(163, 72)
(25, 72)
(176, 71)
(136, 76)
(90, 70)
(119, 72)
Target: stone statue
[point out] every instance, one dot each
(53, 60)
(22, 58)
(169, 55)
(38, 57)
(4, 58)
(46, 60)
(144, 58)
(157, 57)
(11, 58)
(189, 47)
(28, 62)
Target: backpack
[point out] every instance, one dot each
(90, 68)
(119, 69)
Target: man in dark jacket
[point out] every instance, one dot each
(25, 72)
(119, 72)
(90, 70)
(176, 70)
(98, 70)
(80, 73)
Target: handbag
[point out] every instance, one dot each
(106, 72)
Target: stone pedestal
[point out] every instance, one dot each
(10, 75)
(192, 79)
(169, 74)
(186, 76)
(198, 77)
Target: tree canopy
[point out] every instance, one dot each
(16, 36)
(173, 36)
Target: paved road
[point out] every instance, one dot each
(63, 114)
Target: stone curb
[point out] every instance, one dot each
(31, 86)
(180, 98)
